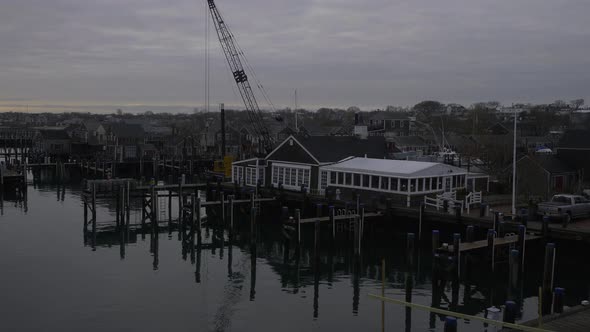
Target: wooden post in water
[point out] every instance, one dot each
(85, 200)
(383, 295)
(491, 246)
(521, 244)
(435, 240)
(501, 229)
(222, 206)
(170, 205)
(154, 211)
(548, 274)
(198, 207)
(410, 245)
(193, 211)
(469, 234)
(420, 214)
(558, 299)
(118, 207)
(457, 253)
(298, 225)
(253, 225)
(513, 269)
(231, 212)
(127, 203)
(93, 207)
(180, 198)
(332, 221)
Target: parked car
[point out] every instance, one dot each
(562, 206)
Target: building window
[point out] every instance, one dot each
(340, 178)
(413, 185)
(306, 178)
(281, 175)
(260, 175)
(348, 179)
(299, 177)
(357, 180)
(248, 176)
(275, 175)
(293, 176)
(324, 180)
(332, 177)
(366, 181)
(374, 182)
(394, 184)
(384, 183)
(420, 185)
(404, 185)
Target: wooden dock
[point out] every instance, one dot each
(499, 241)
(339, 217)
(576, 319)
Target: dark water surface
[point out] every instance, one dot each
(50, 280)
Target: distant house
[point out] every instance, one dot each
(574, 150)
(408, 144)
(232, 142)
(393, 123)
(295, 162)
(544, 176)
(53, 142)
(124, 141)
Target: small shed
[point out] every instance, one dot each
(544, 176)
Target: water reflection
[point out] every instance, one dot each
(321, 279)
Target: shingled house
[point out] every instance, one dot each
(574, 150)
(295, 162)
(545, 175)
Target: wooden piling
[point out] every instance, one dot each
(169, 205)
(253, 225)
(118, 207)
(298, 225)
(521, 244)
(332, 221)
(513, 259)
(421, 213)
(193, 212)
(558, 300)
(491, 246)
(154, 209)
(410, 245)
(94, 206)
(198, 207)
(548, 274)
(231, 212)
(457, 253)
(510, 312)
(435, 240)
(469, 234)
(501, 229)
(180, 198)
(222, 206)
(545, 226)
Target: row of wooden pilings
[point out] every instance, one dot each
(551, 299)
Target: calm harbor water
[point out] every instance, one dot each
(51, 279)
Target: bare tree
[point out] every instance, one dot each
(577, 103)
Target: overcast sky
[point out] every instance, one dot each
(337, 53)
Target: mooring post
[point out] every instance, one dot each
(410, 245)
(362, 219)
(180, 199)
(93, 206)
(284, 214)
(457, 252)
(435, 240)
(84, 199)
(117, 207)
(122, 205)
(491, 246)
(127, 203)
(548, 274)
(316, 238)
(420, 214)
(450, 324)
(154, 209)
(469, 234)
(332, 221)
(198, 207)
(357, 235)
(298, 225)
(558, 300)
(222, 206)
(231, 212)
(501, 229)
(253, 225)
(513, 269)
(510, 312)
(170, 205)
(521, 244)
(545, 229)
(193, 212)
(496, 220)
(318, 210)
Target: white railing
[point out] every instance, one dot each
(438, 202)
(473, 198)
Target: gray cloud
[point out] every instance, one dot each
(335, 52)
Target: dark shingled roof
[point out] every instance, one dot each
(127, 130)
(575, 139)
(336, 148)
(552, 164)
(54, 134)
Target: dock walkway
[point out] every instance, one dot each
(499, 241)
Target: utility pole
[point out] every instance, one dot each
(514, 168)
(222, 108)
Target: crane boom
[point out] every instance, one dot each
(232, 55)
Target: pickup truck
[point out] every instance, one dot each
(561, 206)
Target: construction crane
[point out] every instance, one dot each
(235, 59)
